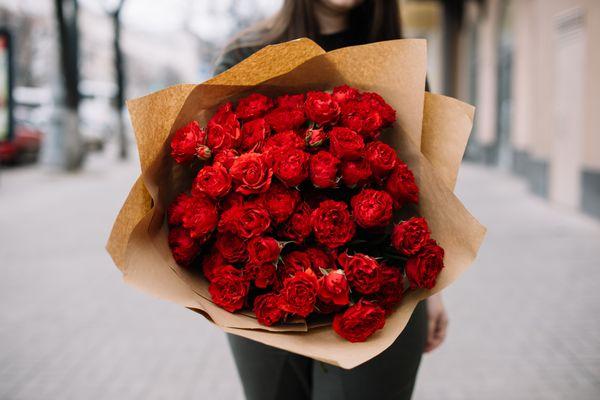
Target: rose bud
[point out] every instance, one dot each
(363, 272)
(333, 288)
(356, 173)
(359, 321)
(423, 268)
(213, 180)
(186, 141)
(203, 152)
(251, 174)
(252, 106)
(263, 250)
(231, 247)
(315, 137)
(280, 201)
(346, 144)
(183, 247)
(324, 169)
(321, 108)
(381, 157)
(372, 208)
(267, 310)
(401, 185)
(299, 293)
(410, 236)
(332, 224)
(228, 288)
(291, 166)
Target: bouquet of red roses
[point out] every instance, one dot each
(301, 191)
(295, 210)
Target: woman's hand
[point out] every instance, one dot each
(438, 322)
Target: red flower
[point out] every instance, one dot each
(178, 208)
(315, 137)
(392, 288)
(299, 226)
(320, 259)
(372, 208)
(360, 116)
(344, 93)
(280, 201)
(246, 221)
(321, 108)
(252, 106)
(211, 263)
(263, 250)
(294, 262)
(291, 166)
(346, 144)
(290, 101)
(381, 157)
(251, 174)
(401, 186)
(183, 247)
(280, 141)
(224, 129)
(281, 119)
(200, 216)
(333, 288)
(228, 288)
(324, 169)
(186, 141)
(376, 102)
(299, 293)
(363, 272)
(332, 224)
(410, 236)
(225, 157)
(267, 310)
(231, 247)
(356, 173)
(359, 321)
(212, 180)
(264, 275)
(423, 268)
(254, 134)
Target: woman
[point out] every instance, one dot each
(269, 373)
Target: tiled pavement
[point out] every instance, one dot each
(524, 319)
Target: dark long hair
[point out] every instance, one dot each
(370, 21)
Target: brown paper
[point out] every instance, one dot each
(430, 135)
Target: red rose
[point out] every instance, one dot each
(280, 201)
(290, 101)
(279, 141)
(299, 226)
(346, 144)
(231, 200)
(211, 263)
(178, 208)
(281, 119)
(224, 129)
(265, 275)
(382, 158)
(267, 310)
(299, 293)
(183, 247)
(344, 93)
(294, 262)
(200, 217)
(333, 288)
(356, 173)
(186, 141)
(376, 102)
(372, 208)
(320, 259)
(251, 174)
(359, 321)
(401, 185)
(315, 137)
(324, 169)
(291, 166)
(231, 247)
(225, 157)
(254, 134)
(410, 236)
(262, 250)
(228, 288)
(423, 268)
(212, 180)
(246, 221)
(392, 288)
(363, 272)
(252, 106)
(321, 108)
(362, 118)
(332, 224)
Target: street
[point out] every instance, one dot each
(523, 320)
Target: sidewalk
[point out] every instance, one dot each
(70, 329)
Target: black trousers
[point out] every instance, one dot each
(268, 373)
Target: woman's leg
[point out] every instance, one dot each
(268, 373)
(390, 375)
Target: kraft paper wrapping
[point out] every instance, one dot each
(430, 135)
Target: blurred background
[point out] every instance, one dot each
(524, 318)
